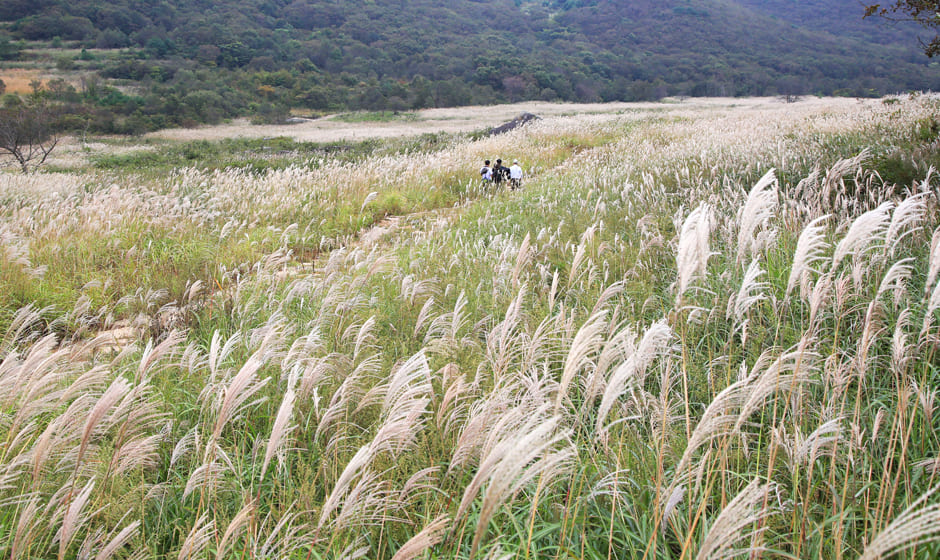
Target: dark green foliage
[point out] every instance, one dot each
(261, 58)
(8, 49)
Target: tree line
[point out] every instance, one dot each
(201, 62)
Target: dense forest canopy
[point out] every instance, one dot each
(201, 61)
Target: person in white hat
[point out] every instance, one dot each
(515, 175)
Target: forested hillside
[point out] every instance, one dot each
(201, 61)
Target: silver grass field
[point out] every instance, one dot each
(700, 330)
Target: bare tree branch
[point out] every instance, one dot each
(924, 12)
(28, 134)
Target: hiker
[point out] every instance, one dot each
(515, 176)
(500, 172)
(486, 174)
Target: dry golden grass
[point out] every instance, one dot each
(454, 119)
(17, 80)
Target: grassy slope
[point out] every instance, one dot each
(404, 381)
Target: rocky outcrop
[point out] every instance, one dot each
(514, 124)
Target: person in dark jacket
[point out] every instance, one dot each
(500, 173)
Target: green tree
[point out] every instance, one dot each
(924, 12)
(8, 50)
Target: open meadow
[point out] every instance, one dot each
(702, 329)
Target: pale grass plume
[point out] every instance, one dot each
(26, 526)
(420, 483)
(632, 372)
(354, 551)
(693, 251)
(339, 402)
(918, 524)
(522, 452)
(901, 351)
(478, 424)
(754, 217)
(93, 538)
(497, 554)
(198, 539)
(368, 503)
(371, 196)
(26, 379)
(831, 194)
(730, 528)
(400, 424)
(287, 535)
(242, 387)
(932, 466)
(32, 386)
(905, 220)
(21, 329)
(153, 355)
(430, 536)
(610, 292)
(801, 450)
(316, 371)
(672, 502)
(526, 252)
(205, 476)
(719, 419)
(365, 337)
(927, 399)
(63, 435)
(141, 452)
(871, 330)
(585, 345)
(447, 328)
(503, 341)
(895, 280)
(581, 254)
(73, 517)
(455, 402)
(184, 445)
(867, 231)
(140, 433)
(810, 250)
(749, 294)
(934, 261)
(730, 410)
(933, 303)
(553, 292)
(403, 414)
(119, 541)
(787, 374)
(413, 289)
(410, 379)
(614, 352)
(280, 428)
(91, 382)
(235, 528)
(820, 295)
(424, 316)
(304, 350)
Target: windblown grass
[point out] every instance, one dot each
(711, 334)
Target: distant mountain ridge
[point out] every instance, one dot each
(393, 54)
